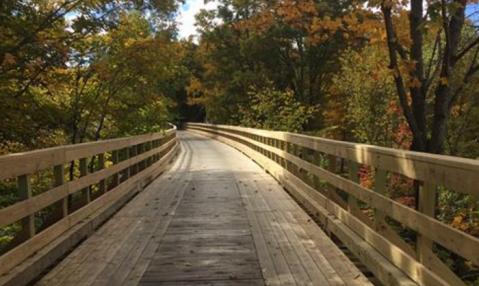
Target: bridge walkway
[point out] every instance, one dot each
(214, 218)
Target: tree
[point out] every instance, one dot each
(275, 110)
(418, 78)
(293, 44)
(64, 66)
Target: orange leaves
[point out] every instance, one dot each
(325, 24)
(9, 59)
(414, 83)
(294, 11)
(194, 87)
(466, 223)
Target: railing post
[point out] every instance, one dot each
(101, 166)
(133, 152)
(296, 167)
(380, 185)
(159, 154)
(153, 146)
(149, 146)
(353, 176)
(83, 173)
(127, 157)
(304, 157)
(427, 206)
(331, 168)
(59, 174)
(316, 162)
(25, 193)
(278, 146)
(270, 154)
(115, 160)
(141, 150)
(287, 148)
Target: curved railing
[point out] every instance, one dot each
(84, 179)
(310, 169)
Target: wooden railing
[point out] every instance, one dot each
(322, 174)
(85, 178)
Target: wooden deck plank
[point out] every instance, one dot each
(334, 279)
(338, 260)
(297, 269)
(314, 273)
(279, 260)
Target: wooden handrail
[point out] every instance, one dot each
(458, 174)
(143, 156)
(17, 164)
(293, 160)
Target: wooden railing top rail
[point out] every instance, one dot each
(455, 173)
(17, 164)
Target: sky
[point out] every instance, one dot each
(186, 17)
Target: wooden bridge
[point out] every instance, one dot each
(266, 208)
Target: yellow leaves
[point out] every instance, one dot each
(325, 24)
(444, 81)
(463, 221)
(393, 108)
(295, 13)
(129, 42)
(194, 87)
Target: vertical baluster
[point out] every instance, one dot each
(148, 148)
(316, 162)
(127, 157)
(101, 166)
(332, 166)
(276, 156)
(296, 167)
(380, 185)
(115, 160)
(59, 174)
(25, 193)
(160, 143)
(133, 153)
(157, 156)
(304, 157)
(270, 143)
(426, 205)
(267, 142)
(141, 150)
(353, 176)
(83, 173)
(261, 150)
(287, 148)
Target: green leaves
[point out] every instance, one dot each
(73, 71)
(275, 110)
